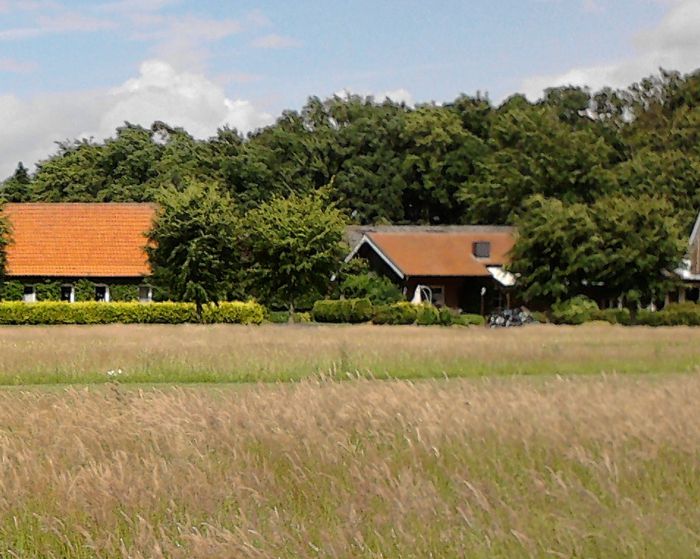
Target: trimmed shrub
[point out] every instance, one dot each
(469, 320)
(613, 316)
(234, 312)
(397, 313)
(342, 310)
(578, 310)
(427, 315)
(379, 290)
(446, 316)
(540, 317)
(282, 317)
(126, 313)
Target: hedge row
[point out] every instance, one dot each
(362, 310)
(128, 313)
(581, 309)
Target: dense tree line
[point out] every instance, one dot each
(466, 161)
(566, 159)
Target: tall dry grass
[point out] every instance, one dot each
(604, 466)
(224, 353)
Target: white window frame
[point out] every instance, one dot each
(71, 297)
(29, 297)
(106, 299)
(149, 296)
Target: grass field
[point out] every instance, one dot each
(225, 353)
(529, 454)
(592, 466)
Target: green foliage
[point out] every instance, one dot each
(613, 316)
(556, 249)
(106, 313)
(84, 291)
(427, 315)
(123, 293)
(294, 245)
(378, 289)
(625, 246)
(11, 290)
(48, 290)
(577, 310)
(342, 310)
(460, 161)
(469, 320)
(282, 317)
(396, 313)
(194, 248)
(676, 314)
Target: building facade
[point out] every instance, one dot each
(77, 251)
(460, 267)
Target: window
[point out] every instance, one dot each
(481, 249)
(29, 294)
(67, 293)
(438, 295)
(145, 294)
(102, 293)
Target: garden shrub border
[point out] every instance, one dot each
(56, 312)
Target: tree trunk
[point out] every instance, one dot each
(290, 320)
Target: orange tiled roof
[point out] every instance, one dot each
(78, 240)
(444, 253)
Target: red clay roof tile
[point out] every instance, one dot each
(78, 240)
(443, 253)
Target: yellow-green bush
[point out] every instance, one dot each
(396, 313)
(127, 313)
(342, 310)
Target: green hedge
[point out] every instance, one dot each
(106, 313)
(396, 313)
(577, 310)
(342, 310)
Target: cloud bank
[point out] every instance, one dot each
(159, 92)
(674, 44)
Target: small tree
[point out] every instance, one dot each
(556, 249)
(193, 244)
(294, 245)
(641, 244)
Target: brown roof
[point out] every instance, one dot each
(78, 240)
(444, 252)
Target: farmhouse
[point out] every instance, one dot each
(76, 251)
(690, 271)
(454, 266)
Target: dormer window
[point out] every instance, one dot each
(481, 249)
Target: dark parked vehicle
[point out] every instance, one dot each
(508, 318)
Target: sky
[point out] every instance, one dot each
(80, 68)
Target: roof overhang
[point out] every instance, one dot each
(367, 241)
(505, 278)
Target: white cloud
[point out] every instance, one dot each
(674, 44)
(159, 92)
(274, 41)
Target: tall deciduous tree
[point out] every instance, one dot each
(556, 249)
(294, 245)
(17, 188)
(640, 244)
(193, 249)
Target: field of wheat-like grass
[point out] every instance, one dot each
(594, 466)
(226, 353)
